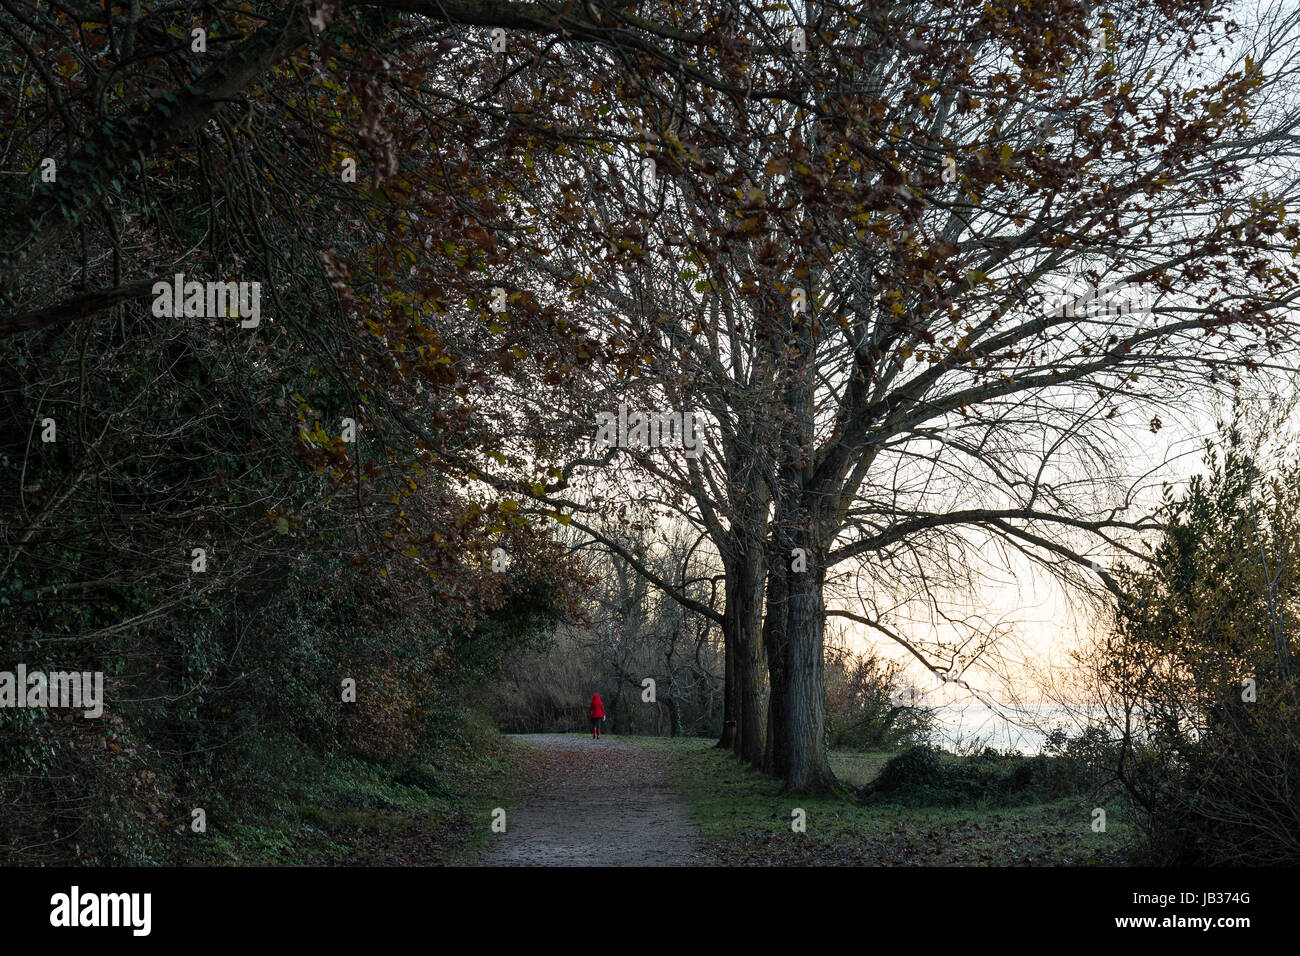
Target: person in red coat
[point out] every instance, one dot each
(597, 715)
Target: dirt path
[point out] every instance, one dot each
(604, 802)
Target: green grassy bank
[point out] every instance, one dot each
(745, 820)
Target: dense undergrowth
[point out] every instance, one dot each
(349, 811)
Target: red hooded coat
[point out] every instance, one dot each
(597, 708)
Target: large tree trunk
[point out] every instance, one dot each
(809, 769)
(799, 528)
(776, 752)
(751, 672)
(746, 664)
(729, 708)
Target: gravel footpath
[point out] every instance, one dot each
(604, 802)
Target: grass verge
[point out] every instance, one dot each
(746, 820)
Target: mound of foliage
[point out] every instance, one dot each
(923, 776)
